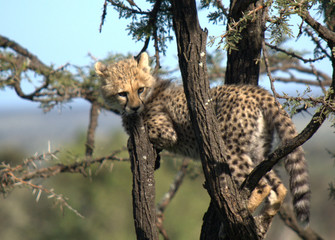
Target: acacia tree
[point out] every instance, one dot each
(247, 23)
(249, 55)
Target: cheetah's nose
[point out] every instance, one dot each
(135, 108)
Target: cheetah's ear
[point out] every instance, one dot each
(143, 62)
(100, 68)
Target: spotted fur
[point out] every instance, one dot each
(247, 115)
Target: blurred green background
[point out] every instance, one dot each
(104, 199)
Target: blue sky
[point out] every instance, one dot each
(63, 31)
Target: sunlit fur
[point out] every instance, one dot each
(125, 97)
(247, 115)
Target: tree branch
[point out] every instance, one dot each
(58, 85)
(317, 42)
(191, 42)
(77, 167)
(260, 170)
(128, 9)
(292, 79)
(324, 32)
(142, 159)
(244, 68)
(287, 215)
(178, 180)
(152, 22)
(165, 201)
(292, 54)
(299, 68)
(103, 15)
(93, 123)
(34, 63)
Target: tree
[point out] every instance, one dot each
(248, 22)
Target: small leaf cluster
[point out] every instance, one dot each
(299, 103)
(155, 23)
(218, 12)
(278, 21)
(229, 40)
(52, 86)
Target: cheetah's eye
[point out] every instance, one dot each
(122, 94)
(140, 90)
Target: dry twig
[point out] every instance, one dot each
(168, 196)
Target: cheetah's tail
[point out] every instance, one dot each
(296, 166)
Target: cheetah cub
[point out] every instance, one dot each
(247, 116)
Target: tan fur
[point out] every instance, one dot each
(257, 197)
(247, 116)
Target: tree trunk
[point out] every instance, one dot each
(142, 157)
(243, 64)
(210, 229)
(191, 42)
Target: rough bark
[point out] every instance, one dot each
(191, 42)
(142, 157)
(243, 64)
(210, 229)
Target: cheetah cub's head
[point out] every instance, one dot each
(127, 84)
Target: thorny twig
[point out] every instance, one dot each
(322, 78)
(130, 10)
(220, 6)
(325, 33)
(152, 23)
(59, 197)
(103, 16)
(23, 174)
(317, 42)
(46, 94)
(319, 100)
(294, 55)
(233, 26)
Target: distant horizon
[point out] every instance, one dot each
(34, 128)
(31, 129)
